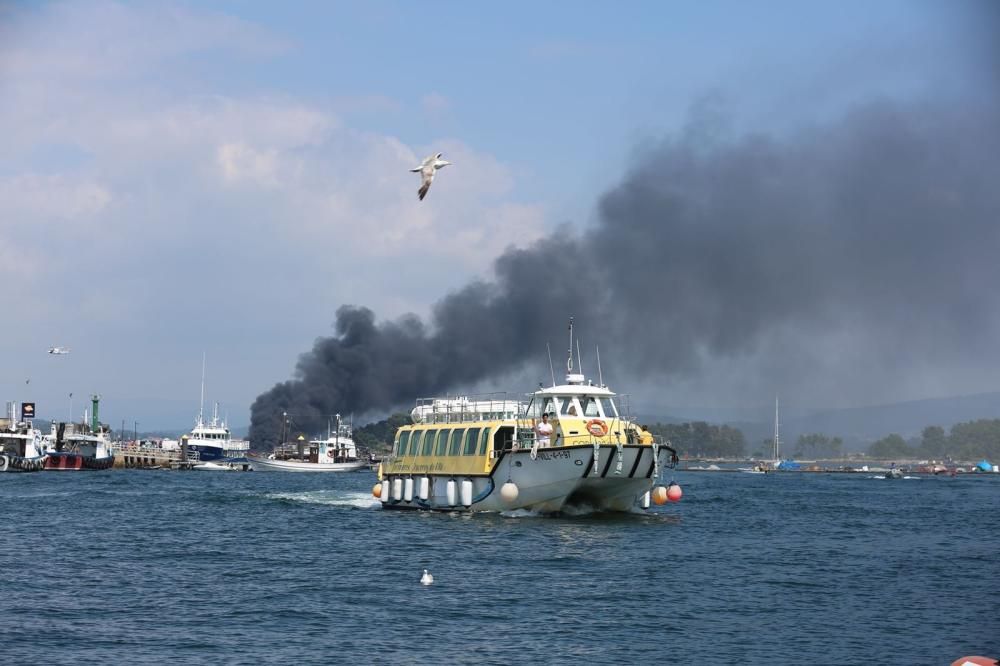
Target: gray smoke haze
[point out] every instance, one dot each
(881, 229)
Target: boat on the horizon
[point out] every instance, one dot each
(486, 454)
(22, 447)
(336, 453)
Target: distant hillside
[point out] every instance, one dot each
(857, 426)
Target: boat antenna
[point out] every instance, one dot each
(569, 360)
(600, 377)
(579, 359)
(552, 371)
(201, 407)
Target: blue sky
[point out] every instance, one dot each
(186, 177)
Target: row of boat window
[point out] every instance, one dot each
(443, 442)
(585, 406)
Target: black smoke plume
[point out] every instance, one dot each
(869, 245)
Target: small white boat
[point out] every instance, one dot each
(274, 465)
(336, 453)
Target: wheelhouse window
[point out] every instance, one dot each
(551, 406)
(429, 439)
(484, 438)
(608, 405)
(570, 407)
(590, 410)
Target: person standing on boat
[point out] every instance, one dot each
(543, 431)
(645, 437)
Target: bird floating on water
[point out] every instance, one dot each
(426, 170)
(427, 578)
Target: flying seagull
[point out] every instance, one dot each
(426, 170)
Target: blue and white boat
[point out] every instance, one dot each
(214, 442)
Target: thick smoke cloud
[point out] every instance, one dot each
(883, 228)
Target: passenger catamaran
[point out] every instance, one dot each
(463, 454)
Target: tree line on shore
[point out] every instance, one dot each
(697, 439)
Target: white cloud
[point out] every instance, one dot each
(194, 206)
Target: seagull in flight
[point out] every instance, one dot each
(426, 170)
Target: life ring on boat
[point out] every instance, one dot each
(4, 463)
(331, 454)
(597, 427)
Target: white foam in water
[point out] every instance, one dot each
(520, 513)
(329, 498)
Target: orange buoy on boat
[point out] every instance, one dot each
(975, 661)
(674, 493)
(659, 495)
(377, 490)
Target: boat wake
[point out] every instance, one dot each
(357, 500)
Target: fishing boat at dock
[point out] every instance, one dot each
(463, 454)
(80, 446)
(21, 444)
(336, 453)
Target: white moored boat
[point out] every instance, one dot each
(21, 444)
(483, 455)
(336, 453)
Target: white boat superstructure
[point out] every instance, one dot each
(22, 446)
(214, 441)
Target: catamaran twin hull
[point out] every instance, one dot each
(604, 478)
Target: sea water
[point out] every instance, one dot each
(258, 568)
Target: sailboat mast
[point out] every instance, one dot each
(777, 440)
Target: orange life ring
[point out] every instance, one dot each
(597, 427)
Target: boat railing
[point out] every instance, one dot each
(498, 405)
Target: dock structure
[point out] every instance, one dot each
(130, 456)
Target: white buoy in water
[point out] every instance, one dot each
(423, 488)
(508, 492)
(408, 490)
(427, 578)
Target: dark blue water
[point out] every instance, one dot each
(252, 568)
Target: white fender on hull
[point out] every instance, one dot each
(645, 500)
(467, 492)
(423, 488)
(386, 490)
(408, 489)
(397, 489)
(451, 493)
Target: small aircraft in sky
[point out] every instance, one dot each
(59, 350)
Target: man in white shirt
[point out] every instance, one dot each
(543, 433)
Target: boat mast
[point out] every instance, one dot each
(201, 407)
(777, 440)
(600, 375)
(569, 360)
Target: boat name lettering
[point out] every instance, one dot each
(407, 467)
(553, 455)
